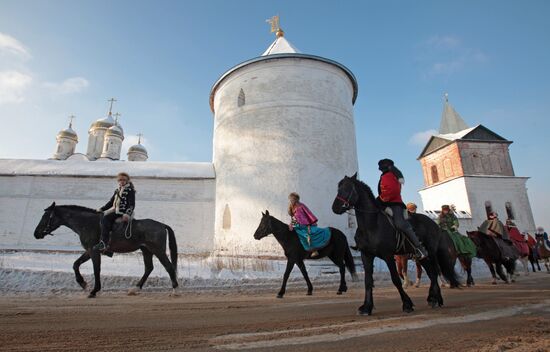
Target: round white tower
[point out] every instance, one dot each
(137, 152)
(112, 143)
(66, 142)
(283, 123)
(96, 134)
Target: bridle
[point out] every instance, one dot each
(347, 202)
(47, 230)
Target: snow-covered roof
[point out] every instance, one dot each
(457, 135)
(280, 46)
(149, 169)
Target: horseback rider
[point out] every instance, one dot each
(121, 204)
(305, 224)
(389, 190)
(447, 219)
(411, 208)
(494, 227)
(541, 236)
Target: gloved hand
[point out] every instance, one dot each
(125, 217)
(98, 210)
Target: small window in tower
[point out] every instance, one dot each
(488, 208)
(435, 176)
(509, 211)
(226, 225)
(241, 100)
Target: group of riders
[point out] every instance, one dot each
(313, 238)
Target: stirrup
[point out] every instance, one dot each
(100, 246)
(419, 254)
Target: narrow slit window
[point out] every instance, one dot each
(488, 208)
(241, 100)
(226, 218)
(509, 211)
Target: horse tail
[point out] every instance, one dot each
(348, 259)
(173, 248)
(446, 266)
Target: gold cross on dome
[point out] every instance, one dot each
(139, 137)
(71, 118)
(112, 100)
(116, 115)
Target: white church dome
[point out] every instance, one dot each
(105, 122)
(115, 130)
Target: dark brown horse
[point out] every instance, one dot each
(147, 235)
(490, 252)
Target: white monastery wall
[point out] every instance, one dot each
(178, 194)
(294, 132)
(498, 191)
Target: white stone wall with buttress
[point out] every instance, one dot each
(186, 205)
(294, 132)
(471, 194)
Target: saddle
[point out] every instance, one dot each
(400, 236)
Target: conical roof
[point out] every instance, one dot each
(281, 46)
(451, 122)
(105, 122)
(68, 133)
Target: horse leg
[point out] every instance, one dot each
(302, 267)
(492, 270)
(525, 263)
(343, 287)
(500, 273)
(368, 304)
(466, 264)
(289, 267)
(434, 294)
(163, 258)
(96, 260)
(148, 262)
(76, 267)
(418, 274)
(407, 303)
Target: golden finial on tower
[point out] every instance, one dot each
(139, 137)
(275, 27)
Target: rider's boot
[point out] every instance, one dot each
(419, 251)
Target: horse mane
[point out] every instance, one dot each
(77, 208)
(366, 188)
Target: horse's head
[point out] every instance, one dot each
(49, 222)
(264, 229)
(347, 196)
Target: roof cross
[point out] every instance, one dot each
(112, 100)
(116, 115)
(71, 118)
(139, 137)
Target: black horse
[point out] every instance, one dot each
(147, 235)
(376, 237)
(490, 252)
(337, 250)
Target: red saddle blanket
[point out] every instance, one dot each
(519, 241)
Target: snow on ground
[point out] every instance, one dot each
(51, 273)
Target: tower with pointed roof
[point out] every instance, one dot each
(471, 168)
(283, 122)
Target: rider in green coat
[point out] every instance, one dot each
(449, 222)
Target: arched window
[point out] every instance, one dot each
(241, 100)
(509, 211)
(488, 208)
(226, 225)
(435, 176)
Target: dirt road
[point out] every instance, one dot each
(486, 318)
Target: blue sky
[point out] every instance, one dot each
(160, 58)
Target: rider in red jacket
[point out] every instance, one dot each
(389, 190)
